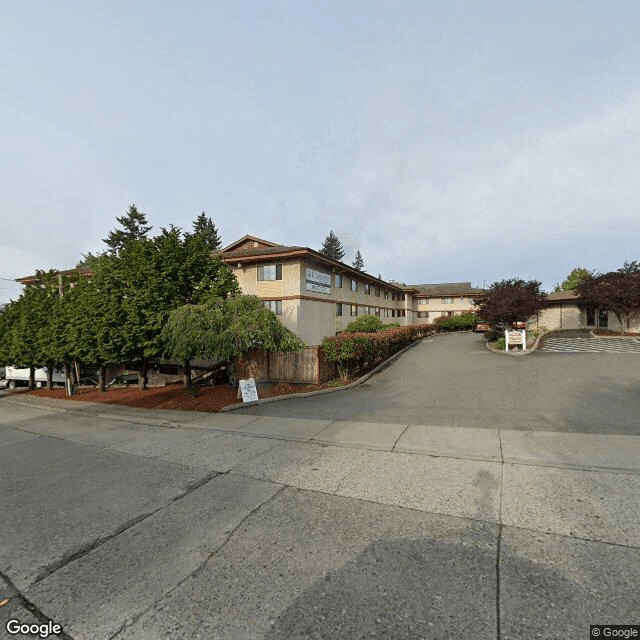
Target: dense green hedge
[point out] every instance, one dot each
(462, 322)
(355, 351)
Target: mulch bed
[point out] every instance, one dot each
(174, 397)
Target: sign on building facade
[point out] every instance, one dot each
(318, 281)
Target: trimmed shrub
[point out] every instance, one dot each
(365, 324)
(355, 351)
(463, 322)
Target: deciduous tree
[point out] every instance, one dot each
(617, 291)
(511, 300)
(224, 329)
(575, 277)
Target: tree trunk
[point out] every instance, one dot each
(143, 373)
(102, 372)
(50, 377)
(74, 375)
(32, 377)
(67, 376)
(186, 376)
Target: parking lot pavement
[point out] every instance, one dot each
(120, 529)
(453, 381)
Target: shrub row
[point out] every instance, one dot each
(464, 321)
(354, 351)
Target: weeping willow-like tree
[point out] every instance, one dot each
(224, 329)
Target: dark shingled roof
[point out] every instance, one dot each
(561, 296)
(263, 251)
(447, 289)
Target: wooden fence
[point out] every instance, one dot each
(308, 365)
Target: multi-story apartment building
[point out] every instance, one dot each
(313, 295)
(432, 301)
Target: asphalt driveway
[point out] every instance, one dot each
(452, 380)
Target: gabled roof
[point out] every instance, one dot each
(447, 289)
(244, 251)
(561, 296)
(249, 242)
(35, 278)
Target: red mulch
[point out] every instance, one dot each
(174, 397)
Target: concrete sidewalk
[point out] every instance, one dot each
(134, 524)
(545, 481)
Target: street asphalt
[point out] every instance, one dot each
(452, 380)
(127, 524)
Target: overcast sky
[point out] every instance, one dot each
(448, 141)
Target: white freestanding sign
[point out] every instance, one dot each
(248, 390)
(515, 337)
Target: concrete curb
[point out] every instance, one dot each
(526, 352)
(351, 385)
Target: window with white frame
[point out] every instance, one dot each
(274, 305)
(423, 314)
(338, 281)
(338, 308)
(270, 272)
(447, 300)
(354, 309)
(354, 284)
(367, 289)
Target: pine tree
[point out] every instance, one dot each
(358, 263)
(204, 226)
(332, 247)
(135, 227)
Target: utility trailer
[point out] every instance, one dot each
(14, 377)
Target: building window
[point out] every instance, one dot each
(402, 296)
(274, 305)
(423, 314)
(354, 309)
(393, 296)
(393, 313)
(338, 281)
(386, 313)
(367, 289)
(354, 284)
(378, 311)
(270, 272)
(447, 300)
(423, 300)
(403, 313)
(386, 295)
(377, 292)
(591, 316)
(338, 308)
(367, 310)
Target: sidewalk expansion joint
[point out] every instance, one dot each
(134, 619)
(98, 542)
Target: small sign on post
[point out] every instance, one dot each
(248, 390)
(513, 338)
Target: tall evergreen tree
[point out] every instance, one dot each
(332, 247)
(204, 226)
(358, 262)
(134, 225)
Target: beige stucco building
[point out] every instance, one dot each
(316, 297)
(564, 312)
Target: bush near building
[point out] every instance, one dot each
(366, 324)
(354, 352)
(463, 322)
